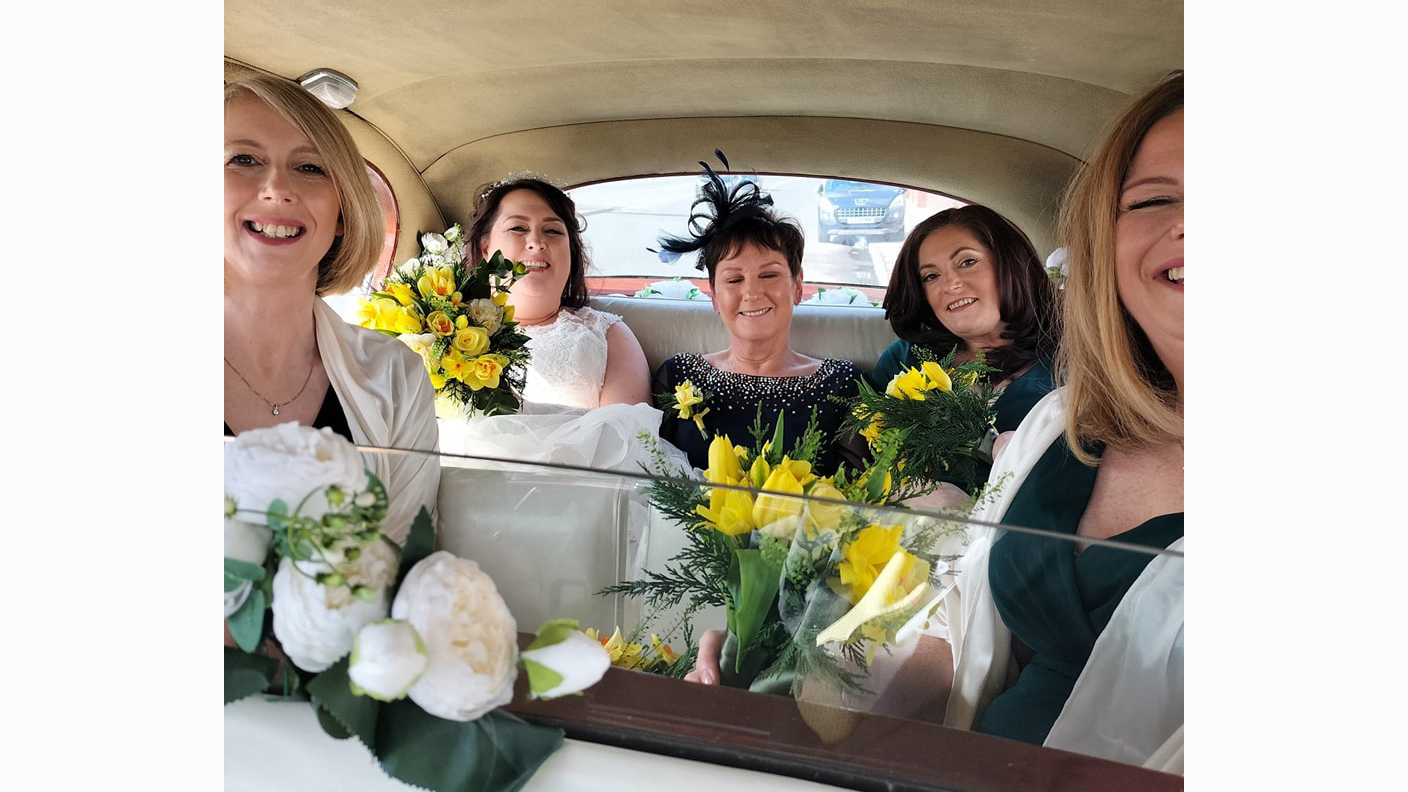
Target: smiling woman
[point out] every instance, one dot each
(301, 220)
(754, 261)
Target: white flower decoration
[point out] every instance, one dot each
(287, 462)
(566, 652)
(317, 625)
(486, 313)
(434, 243)
(471, 638)
(387, 658)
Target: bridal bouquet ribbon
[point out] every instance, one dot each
(408, 650)
(810, 570)
(930, 420)
(455, 315)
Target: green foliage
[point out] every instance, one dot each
(932, 440)
(247, 623)
(247, 674)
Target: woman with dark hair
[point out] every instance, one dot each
(581, 357)
(967, 280)
(754, 260)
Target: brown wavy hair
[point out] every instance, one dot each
(1026, 297)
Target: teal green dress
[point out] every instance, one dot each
(1057, 602)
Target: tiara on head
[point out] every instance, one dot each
(518, 176)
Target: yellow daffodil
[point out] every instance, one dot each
(402, 292)
(454, 365)
(686, 396)
(440, 324)
(663, 649)
(865, 556)
(436, 282)
(405, 320)
(484, 371)
(471, 341)
(730, 512)
(623, 654)
(437, 380)
(723, 462)
(908, 384)
(777, 515)
(937, 377)
(872, 432)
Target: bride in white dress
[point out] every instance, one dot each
(587, 392)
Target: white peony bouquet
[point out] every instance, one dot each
(303, 544)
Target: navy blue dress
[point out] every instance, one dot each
(734, 400)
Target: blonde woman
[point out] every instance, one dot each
(1039, 626)
(301, 221)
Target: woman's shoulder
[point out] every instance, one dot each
(591, 317)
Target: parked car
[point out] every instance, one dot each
(850, 210)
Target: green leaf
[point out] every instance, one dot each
(352, 714)
(237, 572)
(540, 677)
(420, 542)
(496, 752)
(247, 623)
(330, 725)
(753, 581)
(553, 632)
(247, 674)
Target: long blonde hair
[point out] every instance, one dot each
(355, 251)
(1117, 389)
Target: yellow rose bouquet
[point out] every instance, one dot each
(455, 314)
(809, 569)
(932, 421)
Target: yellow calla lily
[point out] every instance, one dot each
(898, 590)
(908, 384)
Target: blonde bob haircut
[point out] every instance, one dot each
(1118, 391)
(357, 247)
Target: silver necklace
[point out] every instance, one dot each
(261, 396)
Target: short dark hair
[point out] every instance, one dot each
(1026, 296)
(486, 209)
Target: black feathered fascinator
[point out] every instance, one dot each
(718, 209)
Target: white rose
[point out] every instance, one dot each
(574, 661)
(421, 344)
(453, 233)
(434, 243)
(288, 462)
(244, 542)
(387, 658)
(486, 314)
(471, 638)
(409, 267)
(317, 625)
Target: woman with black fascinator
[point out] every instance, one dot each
(753, 257)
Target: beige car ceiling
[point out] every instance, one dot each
(990, 101)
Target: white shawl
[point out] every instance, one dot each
(1127, 704)
(386, 393)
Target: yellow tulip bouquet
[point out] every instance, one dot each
(810, 570)
(932, 421)
(454, 313)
